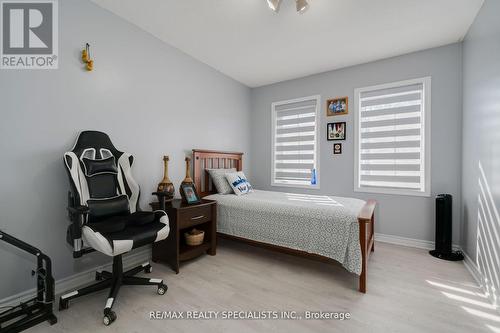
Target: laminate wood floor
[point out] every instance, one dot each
(408, 291)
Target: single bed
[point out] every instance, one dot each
(319, 227)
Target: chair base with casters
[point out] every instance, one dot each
(103, 207)
(113, 281)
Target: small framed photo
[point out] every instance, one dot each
(337, 148)
(189, 194)
(336, 131)
(337, 106)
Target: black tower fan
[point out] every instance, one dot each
(443, 230)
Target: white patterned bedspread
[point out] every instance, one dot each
(323, 225)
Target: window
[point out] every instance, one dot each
(392, 148)
(295, 143)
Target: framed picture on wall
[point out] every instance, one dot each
(337, 106)
(337, 148)
(336, 131)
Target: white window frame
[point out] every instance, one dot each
(425, 137)
(316, 144)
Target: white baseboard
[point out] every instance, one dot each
(78, 280)
(481, 281)
(473, 269)
(411, 242)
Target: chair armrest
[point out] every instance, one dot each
(161, 194)
(78, 217)
(161, 198)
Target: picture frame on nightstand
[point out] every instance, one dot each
(189, 194)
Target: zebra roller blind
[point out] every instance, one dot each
(393, 125)
(295, 142)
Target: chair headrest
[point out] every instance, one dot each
(97, 167)
(97, 143)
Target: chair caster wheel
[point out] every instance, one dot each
(98, 276)
(63, 304)
(162, 289)
(148, 269)
(109, 318)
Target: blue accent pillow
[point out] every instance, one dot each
(239, 183)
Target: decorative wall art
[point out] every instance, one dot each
(336, 131)
(337, 148)
(337, 106)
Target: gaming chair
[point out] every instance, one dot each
(105, 216)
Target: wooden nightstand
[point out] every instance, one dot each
(184, 217)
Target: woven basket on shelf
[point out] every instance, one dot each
(194, 237)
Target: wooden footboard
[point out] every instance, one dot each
(366, 219)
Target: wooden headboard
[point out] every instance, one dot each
(210, 159)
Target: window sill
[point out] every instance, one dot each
(393, 192)
(311, 187)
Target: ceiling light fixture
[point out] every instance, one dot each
(302, 6)
(274, 5)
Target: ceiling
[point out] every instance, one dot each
(245, 40)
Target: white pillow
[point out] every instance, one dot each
(239, 183)
(219, 180)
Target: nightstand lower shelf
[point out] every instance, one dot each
(187, 252)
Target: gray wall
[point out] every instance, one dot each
(152, 100)
(405, 216)
(481, 142)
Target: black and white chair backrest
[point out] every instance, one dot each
(101, 176)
